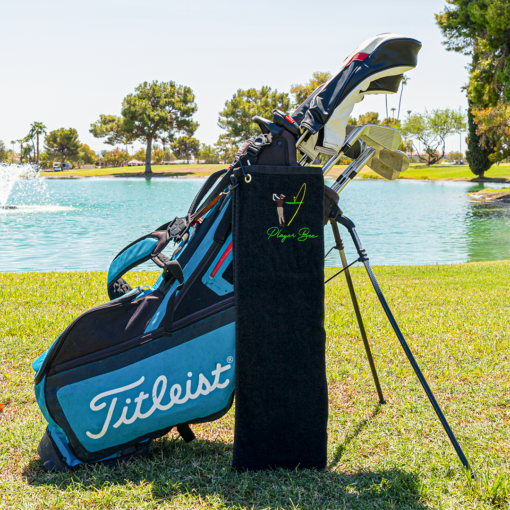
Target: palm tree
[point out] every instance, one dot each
(37, 128)
(13, 142)
(393, 110)
(405, 79)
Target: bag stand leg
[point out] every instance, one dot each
(349, 225)
(340, 247)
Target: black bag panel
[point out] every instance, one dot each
(281, 152)
(149, 345)
(107, 326)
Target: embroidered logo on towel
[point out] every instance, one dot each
(277, 232)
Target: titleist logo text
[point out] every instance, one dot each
(159, 392)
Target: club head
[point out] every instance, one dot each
(381, 137)
(389, 164)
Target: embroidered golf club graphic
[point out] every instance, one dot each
(297, 200)
(279, 208)
(302, 189)
(158, 393)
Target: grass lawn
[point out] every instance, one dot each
(415, 171)
(138, 171)
(395, 456)
(457, 172)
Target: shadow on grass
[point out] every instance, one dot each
(178, 473)
(358, 429)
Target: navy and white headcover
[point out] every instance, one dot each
(326, 112)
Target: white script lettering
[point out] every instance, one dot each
(159, 388)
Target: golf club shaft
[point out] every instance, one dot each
(353, 136)
(352, 170)
(339, 243)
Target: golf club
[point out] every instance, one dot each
(352, 170)
(374, 135)
(389, 164)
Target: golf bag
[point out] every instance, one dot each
(151, 359)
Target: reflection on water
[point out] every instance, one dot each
(487, 231)
(82, 224)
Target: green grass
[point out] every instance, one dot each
(415, 171)
(157, 170)
(395, 456)
(457, 172)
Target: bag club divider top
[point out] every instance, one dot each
(239, 305)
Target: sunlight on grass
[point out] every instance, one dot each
(394, 456)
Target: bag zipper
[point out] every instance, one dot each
(142, 339)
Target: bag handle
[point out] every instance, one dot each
(148, 247)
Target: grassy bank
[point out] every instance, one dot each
(394, 456)
(415, 171)
(138, 171)
(453, 172)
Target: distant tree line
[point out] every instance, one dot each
(481, 30)
(160, 116)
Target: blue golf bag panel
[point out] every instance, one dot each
(187, 382)
(129, 370)
(118, 401)
(219, 277)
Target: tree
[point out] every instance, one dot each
(185, 146)
(115, 158)
(87, 155)
(246, 104)
(154, 110)
(165, 140)
(432, 129)
(391, 122)
(405, 79)
(481, 29)
(112, 128)
(3, 152)
(63, 143)
(226, 148)
(455, 156)
(141, 155)
(482, 149)
(37, 129)
(301, 92)
(208, 154)
(157, 156)
(366, 118)
(25, 153)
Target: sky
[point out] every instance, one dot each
(66, 62)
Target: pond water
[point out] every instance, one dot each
(82, 224)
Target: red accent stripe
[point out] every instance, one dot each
(358, 56)
(289, 119)
(222, 259)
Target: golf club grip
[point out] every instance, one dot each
(416, 368)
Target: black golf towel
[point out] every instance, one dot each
(281, 388)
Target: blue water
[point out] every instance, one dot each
(82, 224)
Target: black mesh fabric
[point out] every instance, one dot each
(281, 388)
